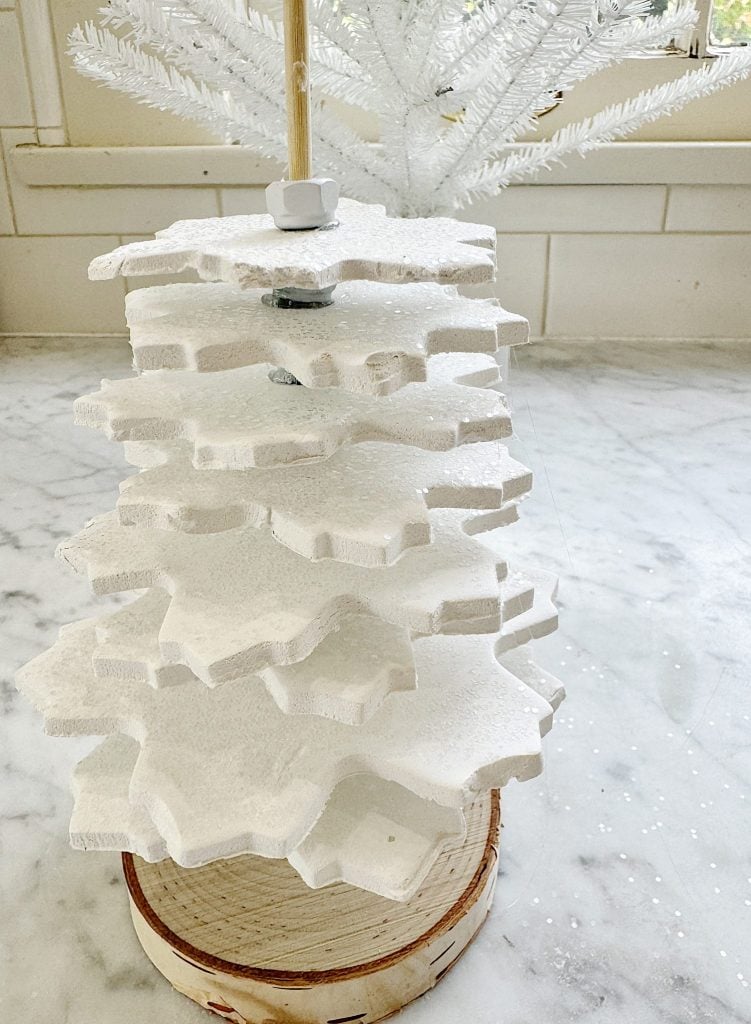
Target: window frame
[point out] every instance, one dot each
(697, 43)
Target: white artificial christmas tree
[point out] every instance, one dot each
(326, 679)
(453, 86)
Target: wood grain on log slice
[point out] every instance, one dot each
(247, 939)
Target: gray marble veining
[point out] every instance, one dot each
(626, 887)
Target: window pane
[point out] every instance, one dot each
(731, 22)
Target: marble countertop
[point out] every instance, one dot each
(626, 869)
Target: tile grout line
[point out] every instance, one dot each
(26, 66)
(549, 233)
(58, 76)
(6, 181)
(60, 334)
(546, 286)
(61, 94)
(135, 233)
(122, 240)
(558, 339)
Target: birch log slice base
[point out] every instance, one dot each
(247, 939)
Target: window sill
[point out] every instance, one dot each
(620, 163)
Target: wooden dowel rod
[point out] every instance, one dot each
(297, 77)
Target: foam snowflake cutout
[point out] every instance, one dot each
(373, 834)
(374, 339)
(239, 419)
(224, 772)
(347, 677)
(366, 504)
(537, 621)
(379, 836)
(251, 252)
(241, 601)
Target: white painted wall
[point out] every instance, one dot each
(649, 239)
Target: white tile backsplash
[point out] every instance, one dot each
(243, 200)
(575, 208)
(15, 101)
(91, 211)
(44, 287)
(520, 285)
(6, 213)
(520, 282)
(51, 136)
(662, 286)
(42, 64)
(709, 208)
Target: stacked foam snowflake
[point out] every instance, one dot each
(328, 660)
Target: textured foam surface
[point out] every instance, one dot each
(521, 663)
(347, 677)
(537, 621)
(366, 504)
(224, 771)
(241, 601)
(239, 419)
(372, 834)
(128, 645)
(377, 835)
(103, 816)
(374, 339)
(251, 252)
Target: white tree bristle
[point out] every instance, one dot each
(452, 92)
